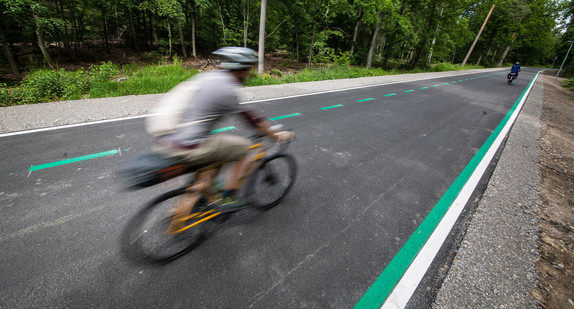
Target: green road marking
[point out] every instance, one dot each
(369, 99)
(286, 116)
(436, 85)
(453, 82)
(390, 94)
(72, 160)
(329, 107)
(223, 129)
(423, 88)
(466, 79)
(409, 90)
(445, 83)
(387, 280)
(460, 80)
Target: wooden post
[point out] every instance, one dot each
(477, 36)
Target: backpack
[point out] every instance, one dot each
(167, 114)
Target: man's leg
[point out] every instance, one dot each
(235, 173)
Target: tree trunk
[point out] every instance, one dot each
(313, 34)
(169, 34)
(182, 40)
(246, 17)
(374, 40)
(222, 20)
(134, 43)
(429, 59)
(261, 64)
(357, 25)
(507, 49)
(8, 55)
(41, 42)
(66, 39)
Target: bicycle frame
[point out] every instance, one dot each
(200, 184)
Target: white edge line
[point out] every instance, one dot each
(358, 87)
(412, 277)
(248, 102)
(70, 126)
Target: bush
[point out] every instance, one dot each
(42, 85)
(104, 71)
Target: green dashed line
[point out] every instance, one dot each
(436, 85)
(223, 129)
(72, 160)
(286, 116)
(329, 107)
(390, 94)
(445, 83)
(409, 90)
(423, 88)
(369, 99)
(460, 81)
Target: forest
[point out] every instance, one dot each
(384, 34)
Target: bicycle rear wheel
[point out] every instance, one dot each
(271, 181)
(147, 238)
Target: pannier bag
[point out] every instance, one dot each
(150, 168)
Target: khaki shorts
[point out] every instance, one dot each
(217, 147)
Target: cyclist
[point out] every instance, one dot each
(208, 98)
(515, 69)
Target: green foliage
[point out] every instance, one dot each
(104, 71)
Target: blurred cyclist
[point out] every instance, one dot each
(515, 69)
(206, 99)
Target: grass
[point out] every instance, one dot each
(109, 80)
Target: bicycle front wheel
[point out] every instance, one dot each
(150, 237)
(271, 181)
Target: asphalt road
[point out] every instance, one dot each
(372, 163)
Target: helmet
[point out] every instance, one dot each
(235, 58)
(517, 62)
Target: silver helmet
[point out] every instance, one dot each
(235, 58)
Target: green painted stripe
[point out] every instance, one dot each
(453, 82)
(329, 107)
(436, 85)
(409, 90)
(223, 129)
(460, 80)
(466, 79)
(369, 99)
(390, 94)
(381, 288)
(445, 83)
(286, 116)
(423, 88)
(72, 160)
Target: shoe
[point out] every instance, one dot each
(230, 204)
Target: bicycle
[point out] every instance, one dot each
(176, 222)
(511, 76)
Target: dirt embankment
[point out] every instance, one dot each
(556, 234)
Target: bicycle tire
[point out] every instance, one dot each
(271, 181)
(145, 237)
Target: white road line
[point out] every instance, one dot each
(412, 277)
(249, 102)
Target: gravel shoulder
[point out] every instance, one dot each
(495, 266)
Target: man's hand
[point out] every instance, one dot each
(283, 136)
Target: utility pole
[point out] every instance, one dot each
(571, 42)
(477, 36)
(262, 36)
